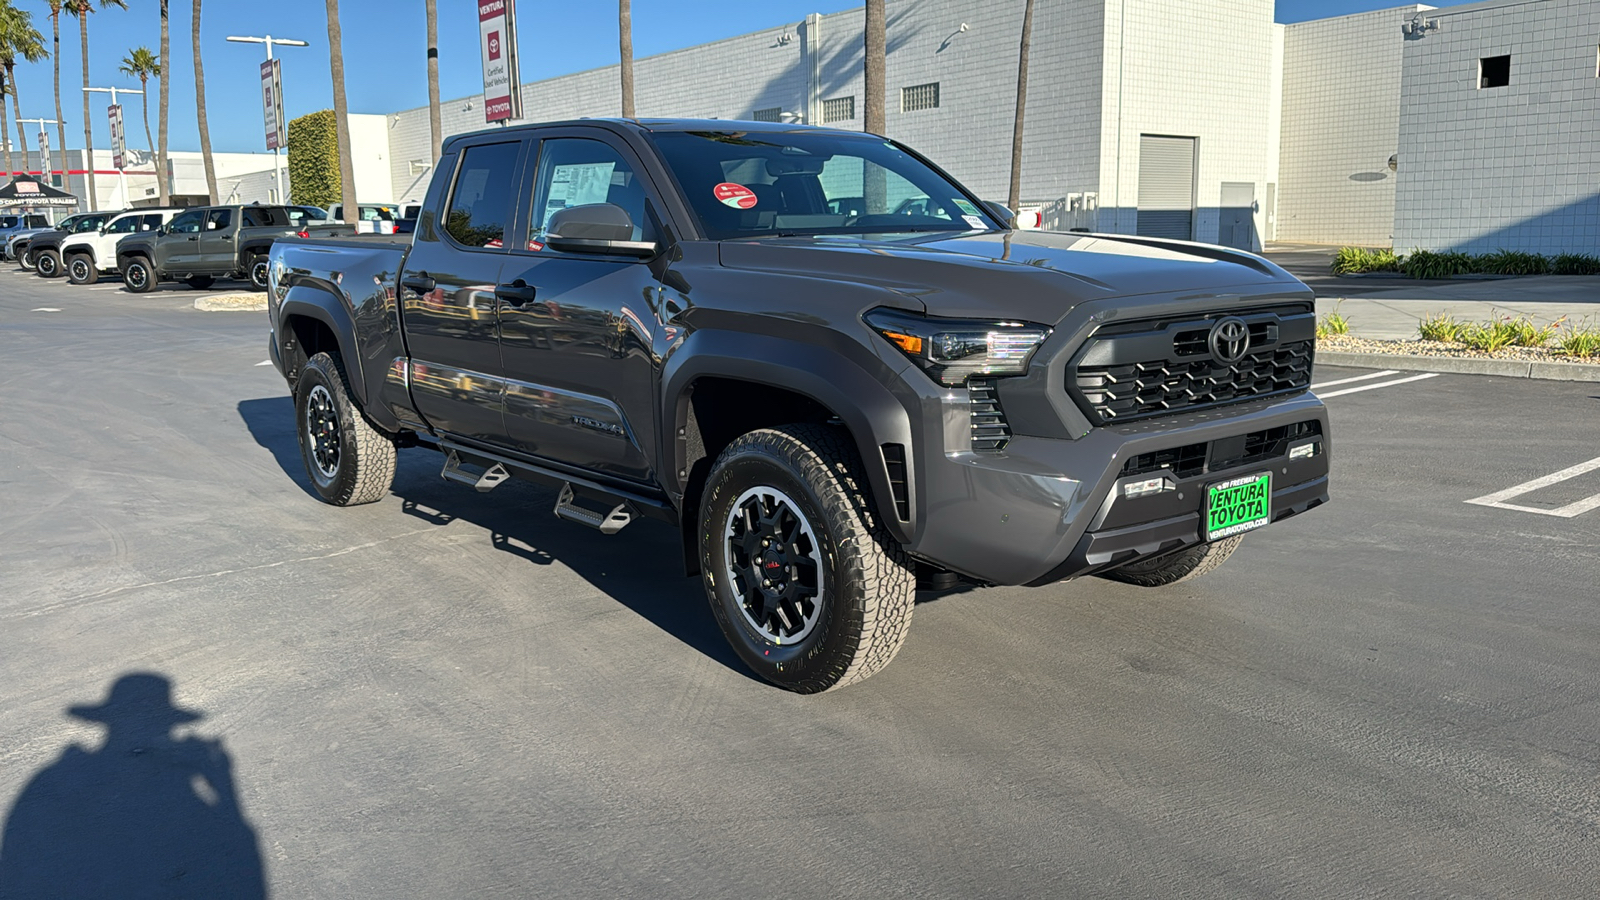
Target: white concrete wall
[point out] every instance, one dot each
(1341, 114)
(369, 149)
(1510, 167)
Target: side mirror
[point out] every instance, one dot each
(595, 228)
(1000, 212)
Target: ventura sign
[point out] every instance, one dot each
(497, 33)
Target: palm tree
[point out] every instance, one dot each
(18, 37)
(1014, 199)
(341, 123)
(874, 187)
(61, 120)
(200, 109)
(435, 125)
(143, 64)
(5, 128)
(625, 33)
(82, 9)
(161, 116)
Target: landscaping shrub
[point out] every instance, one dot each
(1359, 260)
(1575, 264)
(1512, 262)
(314, 159)
(1441, 327)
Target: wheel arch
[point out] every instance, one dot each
(310, 322)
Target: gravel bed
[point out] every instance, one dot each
(1351, 344)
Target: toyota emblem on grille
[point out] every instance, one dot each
(1229, 340)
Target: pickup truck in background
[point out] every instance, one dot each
(744, 330)
(43, 252)
(204, 243)
(90, 254)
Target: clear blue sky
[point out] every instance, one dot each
(384, 52)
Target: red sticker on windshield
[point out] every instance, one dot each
(735, 195)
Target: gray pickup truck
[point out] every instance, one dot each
(841, 374)
(205, 243)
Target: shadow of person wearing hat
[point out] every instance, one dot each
(146, 814)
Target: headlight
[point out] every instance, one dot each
(953, 350)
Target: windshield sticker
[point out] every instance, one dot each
(975, 222)
(966, 207)
(735, 195)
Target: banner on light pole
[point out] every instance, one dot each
(497, 39)
(272, 104)
(45, 167)
(119, 149)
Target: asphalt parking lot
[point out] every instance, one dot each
(448, 694)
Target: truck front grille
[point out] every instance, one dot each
(1156, 368)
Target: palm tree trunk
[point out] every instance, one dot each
(16, 107)
(200, 109)
(144, 110)
(873, 67)
(347, 174)
(625, 34)
(162, 186)
(1014, 199)
(435, 125)
(88, 128)
(61, 120)
(5, 127)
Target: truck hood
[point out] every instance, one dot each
(1035, 275)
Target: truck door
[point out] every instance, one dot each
(217, 241)
(447, 291)
(178, 251)
(576, 329)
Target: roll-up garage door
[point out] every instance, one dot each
(1166, 186)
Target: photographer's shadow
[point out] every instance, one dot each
(146, 814)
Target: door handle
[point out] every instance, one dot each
(517, 293)
(194, 237)
(420, 282)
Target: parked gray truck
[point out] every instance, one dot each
(836, 370)
(204, 243)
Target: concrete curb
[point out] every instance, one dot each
(1507, 368)
(232, 303)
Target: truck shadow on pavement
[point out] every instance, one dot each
(146, 814)
(641, 567)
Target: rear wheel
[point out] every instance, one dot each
(81, 269)
(809, 588)
(349, 461)
(200, 282)
(48, 263)
(26, 261)
(1181, 565)
(136, 275)
(258, 272)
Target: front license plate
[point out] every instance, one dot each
(1238, 505)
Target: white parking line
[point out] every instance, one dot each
(264, 362)
(1382, 374)
(1384, 384)
(1577, 507)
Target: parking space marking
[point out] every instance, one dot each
(1575, 508)
(1383, 384)
(264, 362)
(45, 309)
(1369, 375)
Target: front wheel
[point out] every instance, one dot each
(808, 586)
(26, 261)
(49, 264)
(200, 282)
(349, 461)
(81, 269)
(1178, 566)
(258, 272)
(137, 275)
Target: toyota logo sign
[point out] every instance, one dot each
(1229, 340)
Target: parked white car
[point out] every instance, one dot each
(89, 255)
(371, 218)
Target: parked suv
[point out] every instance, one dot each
(205, 243)
(43, 252)
(87, 256)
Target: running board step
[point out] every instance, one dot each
(490, 479)
(606, 523)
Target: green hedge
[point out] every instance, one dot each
(314, 160)
(1438, 265)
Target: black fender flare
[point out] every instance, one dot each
(84, 249)
(316, 303)
(258, 247)
(873, 415)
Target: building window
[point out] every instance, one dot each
(1494, 71)
(770, 114)
(919, 96)
(839, 109)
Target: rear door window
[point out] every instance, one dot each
(480, 200)
(123, 225)
(150, 222)
(219, 219)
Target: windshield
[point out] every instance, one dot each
(744, 184)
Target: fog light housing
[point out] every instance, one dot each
(1305, 451)
(1147, 486)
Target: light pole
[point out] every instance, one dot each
(118, 142)
(44, 144)
(269, 40)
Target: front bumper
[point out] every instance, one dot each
(1047, 509)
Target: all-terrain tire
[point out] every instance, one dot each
(48, 264)
(200, 282)
(137, 276)
(26, 261)
(863, 583)
(258, 272)
(349, 461)
(81, 269)
(1178, 566)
